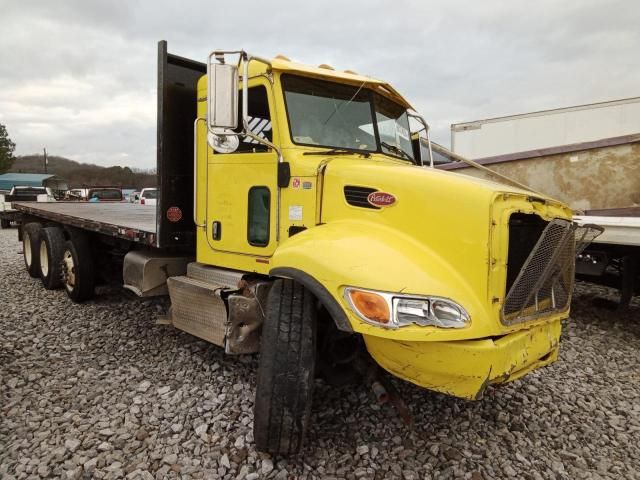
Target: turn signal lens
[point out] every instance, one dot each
(370, 305)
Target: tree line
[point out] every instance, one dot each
(76, 174)
(84, 174)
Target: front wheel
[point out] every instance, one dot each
(286, 371)
(4, 223)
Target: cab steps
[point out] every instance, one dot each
(199, 302)
(218, 276)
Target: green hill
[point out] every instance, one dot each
(79, 174)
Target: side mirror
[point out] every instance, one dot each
(222, 97)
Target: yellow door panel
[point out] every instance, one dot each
(228, 212)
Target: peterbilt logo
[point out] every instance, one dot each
(381, 199)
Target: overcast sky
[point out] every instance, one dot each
(79, 77)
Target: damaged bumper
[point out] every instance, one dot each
(465, 368)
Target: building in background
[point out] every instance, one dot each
(10, 180)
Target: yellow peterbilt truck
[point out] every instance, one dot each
(297, 216)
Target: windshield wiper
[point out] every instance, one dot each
(339, 151)
(397, 150)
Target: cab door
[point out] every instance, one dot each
(242, 185)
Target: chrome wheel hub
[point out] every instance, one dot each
(26, 247)
(44, 259)
(68, 270)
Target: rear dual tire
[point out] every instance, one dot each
(77, 269)
(50, 252)
(31, 247)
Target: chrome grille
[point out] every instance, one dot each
(545, 281)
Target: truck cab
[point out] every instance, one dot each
(309, 195)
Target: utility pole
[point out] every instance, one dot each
(45, 160)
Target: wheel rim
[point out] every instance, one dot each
(44, 259)
(26, 247)
(68, 270)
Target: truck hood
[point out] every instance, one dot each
(438, 221)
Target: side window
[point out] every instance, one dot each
(259, 120)
(258, 224)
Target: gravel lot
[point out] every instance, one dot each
(101, 391)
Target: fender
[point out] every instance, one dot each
(343, 253)
(328, 301)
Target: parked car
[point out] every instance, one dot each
(105, 194)
(95, 194)
(148, 196)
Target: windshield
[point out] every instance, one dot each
(334, 115)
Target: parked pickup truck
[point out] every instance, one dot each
(148, 196)
(308, 229)
(20, 194)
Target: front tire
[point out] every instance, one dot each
(77, 269)
(4, 223)
(30, 248)
(286, 371)
(51, 251)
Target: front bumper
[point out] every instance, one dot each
(465, 368)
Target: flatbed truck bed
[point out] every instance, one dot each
(122, 220)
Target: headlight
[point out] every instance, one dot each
(394, 311)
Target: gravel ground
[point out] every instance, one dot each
(100, 391)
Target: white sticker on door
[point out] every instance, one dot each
(295, 212)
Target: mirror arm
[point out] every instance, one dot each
(423, 122)
(429, 143)
(250, 134)
(245, 105)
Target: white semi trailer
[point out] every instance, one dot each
(546, 129)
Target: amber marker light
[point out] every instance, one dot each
(370, 305)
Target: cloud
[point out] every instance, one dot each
(79, 77)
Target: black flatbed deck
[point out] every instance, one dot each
(128, 221)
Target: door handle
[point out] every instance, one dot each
(216, 230)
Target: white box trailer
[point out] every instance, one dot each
(545, 129)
